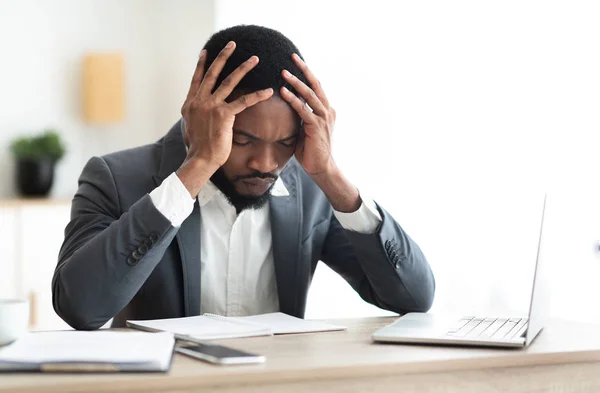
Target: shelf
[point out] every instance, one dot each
(20, 202)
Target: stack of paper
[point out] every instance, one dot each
(89, 351)
(210, 326)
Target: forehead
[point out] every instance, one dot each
(272, 119)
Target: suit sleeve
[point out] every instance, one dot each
(387, 268)
(106, 256)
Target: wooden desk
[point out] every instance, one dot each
(564, 358)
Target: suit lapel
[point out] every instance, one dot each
(188, 236)
(188, 239)
(285, 229)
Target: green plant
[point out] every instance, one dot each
(44, 146)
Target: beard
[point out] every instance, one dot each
(241, 201)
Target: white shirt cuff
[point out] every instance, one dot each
(365, 220)
(173, 200)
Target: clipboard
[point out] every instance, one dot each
(89, 352)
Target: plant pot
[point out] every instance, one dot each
(34, 177)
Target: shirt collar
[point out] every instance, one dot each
(209, 191)
(279, 189)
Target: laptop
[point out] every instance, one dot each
(484, 331)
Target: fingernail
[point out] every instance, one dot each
(295, 55)
(202, 53)
(229, 45)
(285, 89)
(269, 90)
(253, 59)
(287, 73)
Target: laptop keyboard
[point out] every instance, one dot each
(489, 328)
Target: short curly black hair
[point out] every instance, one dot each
(273, 49)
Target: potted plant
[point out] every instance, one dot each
(36, 157)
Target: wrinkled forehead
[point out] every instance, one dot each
(270, 120)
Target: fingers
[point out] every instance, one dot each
(213, 72)
(312, 79)
(230, 83)
(299, 106)
(248, 100)
(306, 92)
(196, 78)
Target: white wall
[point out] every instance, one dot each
(454, 115)
(43, 43)
(451, 114)
(182, 29)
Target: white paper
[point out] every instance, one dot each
(203, 327)
(211, 327)
(281, 323)
(90, 347)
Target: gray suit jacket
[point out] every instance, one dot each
(122, 258)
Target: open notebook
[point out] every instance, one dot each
(212, 327)
(99, 351)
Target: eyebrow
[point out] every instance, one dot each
(255, 138)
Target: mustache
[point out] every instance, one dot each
(256, 175)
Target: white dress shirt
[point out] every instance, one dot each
(237, 269)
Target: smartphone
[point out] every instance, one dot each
(219, 354)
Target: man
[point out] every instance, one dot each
(230, 212)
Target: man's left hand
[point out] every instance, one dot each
(313, 150)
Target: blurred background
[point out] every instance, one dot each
(455, 116)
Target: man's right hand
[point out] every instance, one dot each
(209, 118)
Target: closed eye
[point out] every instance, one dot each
(243, 138)
(290, 142)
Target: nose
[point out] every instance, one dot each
(264, 160)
